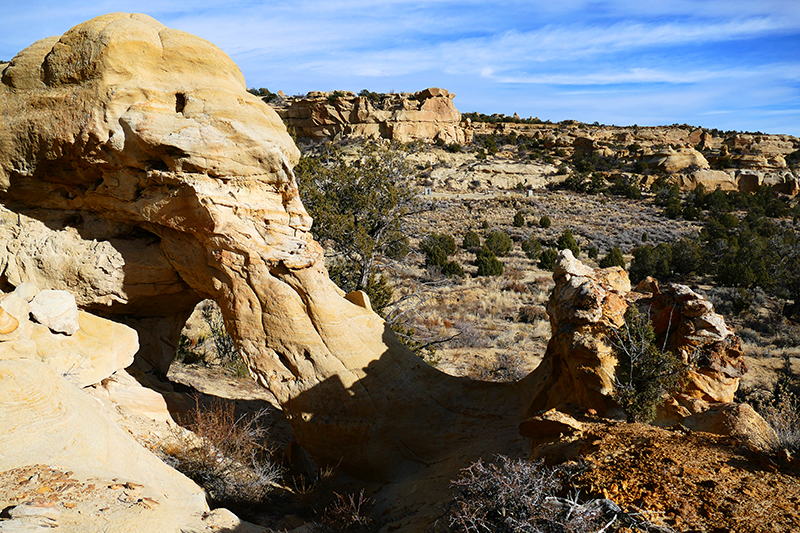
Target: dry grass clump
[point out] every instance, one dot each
(347, 514)
(225, 454)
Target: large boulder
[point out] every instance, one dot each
(674, 160)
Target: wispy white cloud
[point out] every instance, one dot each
(614, 61)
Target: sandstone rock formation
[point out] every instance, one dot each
(579, 366)
(403, 117)
(729, 160)
(170, 183)
(671, 160)
(91, 351)
(44, 420)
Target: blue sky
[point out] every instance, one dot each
(728, 64)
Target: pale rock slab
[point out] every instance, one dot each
(72, 433)
(57, 310)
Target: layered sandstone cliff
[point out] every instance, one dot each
(427, 115)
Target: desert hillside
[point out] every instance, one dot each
(225, 309)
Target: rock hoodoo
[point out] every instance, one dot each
(138, 172)
(428, 115)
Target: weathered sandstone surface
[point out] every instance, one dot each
(403, 117)
(139, 148)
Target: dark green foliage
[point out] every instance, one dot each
(487, 263)
(358, 210)
(593, 252)
(545, 222)
(265, 94)
(471, 240)
(370, 95)
(481, 154)
(532, 248)
(649, 260)
(437, 248)
(687, 256)
(435, 257)
(645, 373)
(613, 258)
(627, 187)
(452, 269)
(644, 236)
(547, 259)
(454, 147)
(589, 162)
(335, 95)
(498, 242)
(566, 241)
(519, 220)
(484, 224)
(582, 182)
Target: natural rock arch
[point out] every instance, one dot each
(137, 172)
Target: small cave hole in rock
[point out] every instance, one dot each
(180, 102)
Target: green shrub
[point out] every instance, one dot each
(519, 220)
(435, 257)
(370, 95)
(545, 222)
(498, 242)
(532, 248)
(437, 248)
(547, 260)
(566, 241)
(646, 373)
(651, 261)
(487, 263)
(613, 258)
(471, 240)
(454, 147)
(447, 243)
(452, 269)
(593, 252)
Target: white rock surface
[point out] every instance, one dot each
(57, 310)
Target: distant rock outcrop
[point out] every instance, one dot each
(428, 115)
